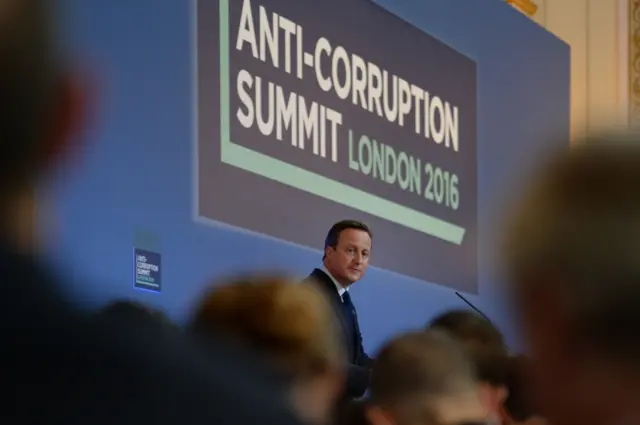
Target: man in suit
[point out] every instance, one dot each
(61, 365)
(346, 257)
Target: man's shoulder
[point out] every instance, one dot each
(317, 276)
(353, 412)
(323, 282)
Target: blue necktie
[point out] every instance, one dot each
(350, 318)
(346, 300)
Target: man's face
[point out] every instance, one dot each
(348, 261)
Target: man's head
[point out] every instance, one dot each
(484, 345)
(572, 258)
(423, 377)
(466, 325)
(346, 251)
(39, 104)
(133, 311)
(290, 325)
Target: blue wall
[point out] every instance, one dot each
(135, 174)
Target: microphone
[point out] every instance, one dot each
(476, 309)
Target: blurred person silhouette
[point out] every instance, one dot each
(123, 312)
(347, 249)
(571, 259)
(60, 365)
(519, 407)
(290, 324)
(420, 378)
(486, 349)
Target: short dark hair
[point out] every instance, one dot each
(29, 77)
(468, 325)
(483, 343)
(518, 403)
(126, 310)
(417, 363)
(333, 236)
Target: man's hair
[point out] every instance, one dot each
(467, 325)
(417, 364)
(577, 228)
(333, 236)
(292, 325)
(518, 403)
(29, 72)
(134, 310)
(482, 342)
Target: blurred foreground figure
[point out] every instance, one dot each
(122, 312)
(59, 366)
(519, 408)
(485, 347)
(573, 260)
(421, 378)
(290, 324)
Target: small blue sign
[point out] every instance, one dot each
(147, 270)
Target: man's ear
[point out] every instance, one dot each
(75, 96)
(486, 398)
(377, 416)
(502, 392)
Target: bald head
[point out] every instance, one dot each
(575, 233)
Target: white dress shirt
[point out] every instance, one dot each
(341, 289)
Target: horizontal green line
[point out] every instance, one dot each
(324, 187)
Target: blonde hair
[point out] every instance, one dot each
(291, 323)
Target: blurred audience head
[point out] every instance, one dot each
(571, 252)
(41, 110)
(290, 324)
(423, 378)
(519, 406)
(484, 345)
(129, 310)
(467, 325)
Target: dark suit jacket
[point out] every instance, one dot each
(353, 413)
(359, 363)
(62, 367)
